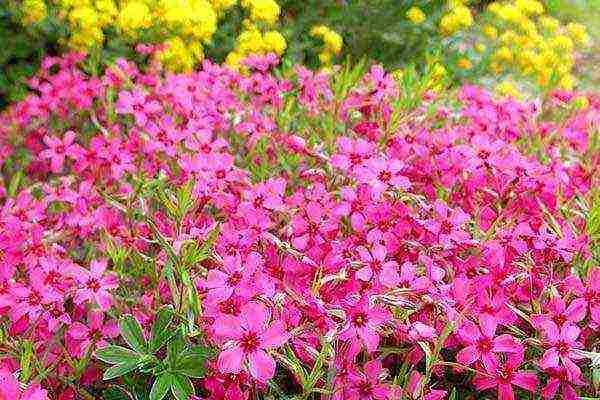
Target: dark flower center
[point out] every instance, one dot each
(250, 342)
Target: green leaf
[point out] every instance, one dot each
(182, 387)
(117, 355)
(174, 348)
(131, 331)
(119, 370)
(13, 187)
(161, 386)
(115, 393)
(160, 328)
(192, 362)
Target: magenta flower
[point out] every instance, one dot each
(368, 385)
(58, 149)
(95, 285)
(237, 276)
(563, 348)
(248, 338)
(376, 268)
(363, 323)
(483, 344)
(95, 333)
(559, 378)
(506, 375)
(10, 389)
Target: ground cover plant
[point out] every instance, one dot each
(288, 234)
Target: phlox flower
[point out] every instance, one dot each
(10, 389)
(505, 375)
(483, 344)
(559, 378)
(363, 323)
(95, 333)
(383, 174)
(58, 149)
(563, 348)
(376, 267)
(248, 339)
(237, 276)
(95, 284)
(368, 384)
(135, 102)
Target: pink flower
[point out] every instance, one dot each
(483, 344)
(10, 390)
(95, 285)
(363, 322)
(559, 377)
(94, 333)
(376, 268)
(249, 340)
(368, 385)
(504, 375)
(236, 277)
(563, 348)
(58, 149)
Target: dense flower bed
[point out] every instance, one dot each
(222, 235)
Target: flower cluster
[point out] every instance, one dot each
(458, 18)
(416, 15)
(181, 27)
(524, 40)
(332, 43)
(359, 249)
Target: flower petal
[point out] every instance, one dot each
(261, 365)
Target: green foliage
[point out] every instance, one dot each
(172, 371)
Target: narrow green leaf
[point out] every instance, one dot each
(174, 348)
(117, 355)
(182, 387)
(131, 331)
(160, 328)
(119, 370)
(161, 386)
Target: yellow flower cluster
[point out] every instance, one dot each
(253, 41)
(332, 41)
(182, 26)
(266, 11)
(416, 15)
(257, 37)
(34, 11)
(527, 42)
(508, 89)
(458, 18)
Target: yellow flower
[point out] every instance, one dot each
(415, 15)
(566, 82)
(562, 43)
(275, 42)
(549, 23)
(266, 11)
(133, 16)
(177, 57)
(85, 39)
(490, 32)
(578, 33)
(480, 47)
(34, 11)
(234, 60)
(332, 40)
(464, 63)
(84, 17)
(506, 88)
(107, 11)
